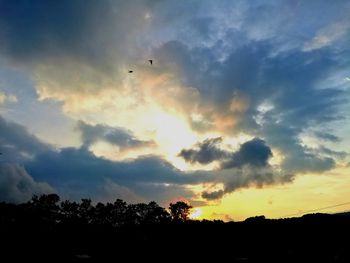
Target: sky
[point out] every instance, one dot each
(243, 111)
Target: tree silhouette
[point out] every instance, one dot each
(119, 212)
(45, 228)
(156, 214)
(46, 201)
(180, 211)
(44, 208)
(69, 211)
(85, 210)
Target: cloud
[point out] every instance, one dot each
(327, 136)
(111, 191)
(297, 158)
(77, 173)
(258, 71)
(328, 35)
(74, 50)
(82, 165)
(244, 177)
(307, 162)
(249, 57)
(247, 166)
(213, 195)
(329, 152)
(120, 137)
(7, 98)
(220, 62)
(204, 152)
(41, 30)
(16, 185)
(254, 152)
(17, 144)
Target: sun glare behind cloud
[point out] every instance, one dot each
(171, 133)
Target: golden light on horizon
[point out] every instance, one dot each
(305, 193)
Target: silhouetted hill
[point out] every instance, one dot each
(347, 214)
(46, 230)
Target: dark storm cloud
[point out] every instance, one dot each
(87, 30)
(42, 28)
(16, 185)
(120, 137)
(204, 152)
(213, 195)
(77, 172)
(247, 166)
(82, 165)
(247, 176)
(254, 152)
(17, 144)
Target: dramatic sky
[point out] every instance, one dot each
(244, 111)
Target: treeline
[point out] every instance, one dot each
(48, 209)
(46, 229)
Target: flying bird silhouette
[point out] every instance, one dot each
(130, 71)
(150, 61)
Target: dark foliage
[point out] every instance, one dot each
(180, 211)
(47, 230)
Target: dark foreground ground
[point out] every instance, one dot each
(46, 229)
(312, 238)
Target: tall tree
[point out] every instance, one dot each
(180, 211)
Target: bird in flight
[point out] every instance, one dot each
(150, 61)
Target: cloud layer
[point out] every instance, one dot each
(205, 152)
(260, 69)
(247, 166)
(16, 185)
(254, 152)
(120, 137)
(77, 172)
